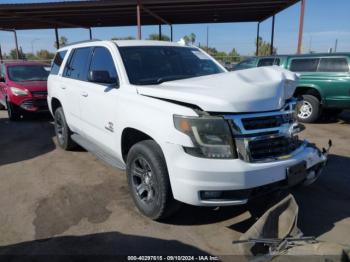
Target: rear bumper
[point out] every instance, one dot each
(237, 180)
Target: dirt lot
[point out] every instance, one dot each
(80, 205)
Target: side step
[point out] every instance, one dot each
(96, 151)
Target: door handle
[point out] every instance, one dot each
(63, 87)
(84, 94)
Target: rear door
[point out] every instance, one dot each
(73, 79)
(334, 71)
(99, 101)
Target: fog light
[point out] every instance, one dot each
(211, 194)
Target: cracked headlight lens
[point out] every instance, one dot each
(211, 136)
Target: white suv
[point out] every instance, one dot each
(184, 128)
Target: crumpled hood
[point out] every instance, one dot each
(251, 90)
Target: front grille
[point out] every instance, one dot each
(263, 122)
(39, 93)
(27, 103)
(41, 104)
(273, 147)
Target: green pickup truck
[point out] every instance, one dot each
(324, 80)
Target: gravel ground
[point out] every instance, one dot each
(80, 205)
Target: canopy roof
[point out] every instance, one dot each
(98, 13)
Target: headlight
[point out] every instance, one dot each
(211, 136)
(19, 92)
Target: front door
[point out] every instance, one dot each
(99, 101)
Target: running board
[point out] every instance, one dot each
(96, 151)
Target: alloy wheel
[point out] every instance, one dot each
(305, 110)
(143, 181)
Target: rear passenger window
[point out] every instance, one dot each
(103, 61)
(304, 65)
(57, 62)
(333, 65)
(266, 62)
(77, 65)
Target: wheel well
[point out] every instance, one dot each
(55, 103)
(130, 137)
(307, 91)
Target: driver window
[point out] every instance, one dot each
(103, 61)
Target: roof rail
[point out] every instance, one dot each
(81, 42)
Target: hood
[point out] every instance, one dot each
(31, 85)
(251, 90)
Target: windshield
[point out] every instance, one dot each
(147, 65)
(20, 73)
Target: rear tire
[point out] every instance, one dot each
(148, 181)
(13, 111)
(311, 109)
(63, 133)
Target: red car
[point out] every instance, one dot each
(23, 87)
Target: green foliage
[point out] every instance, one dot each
(123, 38)
(156, 37)
(264, 47)
(44, 55)
(13, 54)
(190, 39)
(62, 42)
(230, 57)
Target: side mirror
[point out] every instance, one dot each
(102, 77)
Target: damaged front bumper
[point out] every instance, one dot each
(316, 163)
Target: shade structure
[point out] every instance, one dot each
(102, 13)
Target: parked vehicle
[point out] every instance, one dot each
(183, 127)
(324, 81)
(23, 88)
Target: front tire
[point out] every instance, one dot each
(13, 111)
(148, 180)
(63, 133)
(310, 110)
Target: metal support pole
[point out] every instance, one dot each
(301, 26)
(90, 33)
(160, 32)
(57, 40)
(0, 54)
(207, 36)
(171, 33)
(138, 14)
(257, 39)
(272, 34)
(16, 41)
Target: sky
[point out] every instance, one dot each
(325, 21)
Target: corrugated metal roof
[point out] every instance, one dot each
(98, 13)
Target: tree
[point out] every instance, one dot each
(13, 54)
(264, 47)
(156, 37)
(233, 56)
(62, 42)
(31, 56)
(123, 38)
(191, 38)
(44, 54)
